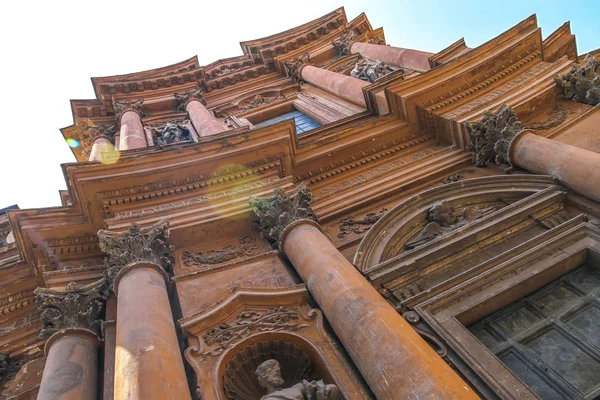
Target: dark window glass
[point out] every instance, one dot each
(551, 338)
(302, 121)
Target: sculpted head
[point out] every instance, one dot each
(442, 213)
(269, 375)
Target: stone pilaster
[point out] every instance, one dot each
(140, 260)
(71, 322)
(387, 342)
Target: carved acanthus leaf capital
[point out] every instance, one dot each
(293, 67)
(184, 98)
(490, 138)
(76, 307)
(137, 245)
(121, 107)
(344, 43)
(582, 82)
(277, 212)
(106, 131)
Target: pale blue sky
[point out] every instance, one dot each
(51, 49)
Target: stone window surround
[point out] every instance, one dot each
(450, 313)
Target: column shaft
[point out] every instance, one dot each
(101, 145)
(71, 369)
(132, 134)
(395, 361)
(576, 168)
(396, 56)
(346, 87)
(148, 363)
(202, 119)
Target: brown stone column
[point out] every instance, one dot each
(101, 145)
(109, 328)
(396, 56)
(394, 360)
(203, 121)
(131, 132)
(346, 87)
(575, 168)
(71, 369)
(148, 362)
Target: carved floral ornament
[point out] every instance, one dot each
(190, 95)
(137, 245)
(246, 248)
(293, 67)
(582, 82)
(121, 107)
(76, 307)
(277, 212)
(359, 226)
(344, 42)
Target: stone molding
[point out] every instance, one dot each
(76, 307)
(190, 95)
(277, 212)
(136, 106)
(135, 245)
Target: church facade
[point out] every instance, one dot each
(326, 216)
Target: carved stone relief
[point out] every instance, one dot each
(276, 213)
(76, 307)
(490, 138)
(370, 71)
(344, 43)
(444, 219)
(293, 67)
(121, 107)
(556, 116)
(259, 101)
(349, 225)
(582, 82)
(247, 247)
(172, 133)
(184, 98)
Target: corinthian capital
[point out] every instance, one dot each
(293, 67)
(582, 82)
(277, 212)
(76, 307)
(344, 42)
(121, 107)
(137, 245)
(190, 95)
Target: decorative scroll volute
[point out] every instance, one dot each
(76, 307)
(277, 212)
(582, 82)
(121, 107)
(490, 138)
(293, 67)
(184, 98)
(137, 245)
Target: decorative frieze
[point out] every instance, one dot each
(370, 71)
(246, 248)
(76, 307)
(190, 95)
(350, 225)
(277, 212)
(137, 245)
(344, 42)
(121, 107)
(489, 139)
(293, 67)
(582, 82)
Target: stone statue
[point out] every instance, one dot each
(173, 133)
(370, 71)
(443, 220)
(269, 377)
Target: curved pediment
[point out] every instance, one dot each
(415, 225)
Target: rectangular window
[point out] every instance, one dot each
(302, 121)
(551, 338)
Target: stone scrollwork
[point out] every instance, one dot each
(246, 248)
(277, 212)
(137, 245)
(190, 95)
(582, 82)
(444, 219)
(121, 107)
(76, 307)
(490, 138)
(370, 71)
(350, 225)
(293, 67)
(344, 42)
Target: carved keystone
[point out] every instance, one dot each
(76, 307)
(276, 213)
(190, 95)
(137, 245)
(293, 67)
(121, 107)
(490, 138)
(582, 82)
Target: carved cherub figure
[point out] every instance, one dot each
(443, 220)
(269, 377)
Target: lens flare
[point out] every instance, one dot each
(72, 142)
